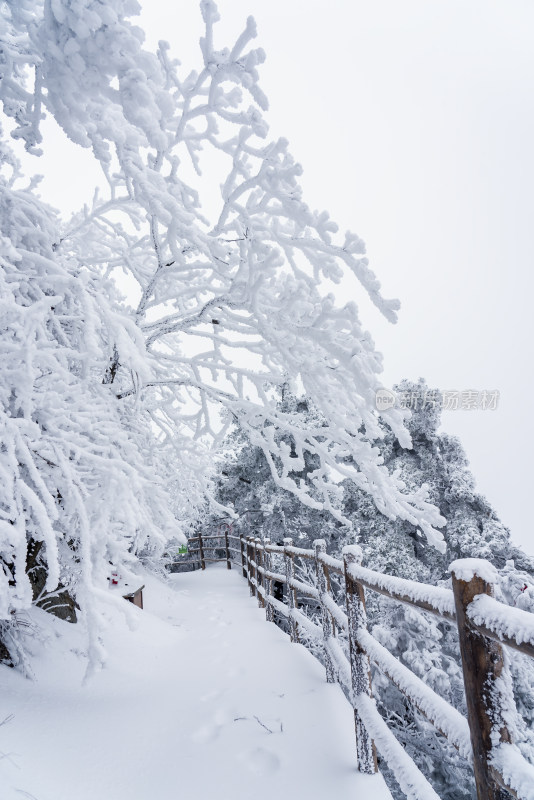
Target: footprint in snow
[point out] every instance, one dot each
(205, 734)
(206, 698)
(260, 761)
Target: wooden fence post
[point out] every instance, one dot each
(260, 577)
(278, 588)
(201, 548)
(243, 557)
(247, 551)
(255, 567)
(228, 562)
(291, 593)
(268, 583)
(251, 569)
(359, 662)
(483, 665)
(323, 584)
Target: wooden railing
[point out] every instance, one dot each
(201, 547)
(484, 626)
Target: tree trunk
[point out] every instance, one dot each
(59, 603)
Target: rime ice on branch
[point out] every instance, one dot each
(231, 306)
(229, 302)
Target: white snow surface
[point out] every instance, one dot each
(440, 598)
(465, 569)
(201, 699)
(505, 621)
(412, 782)
(517, 772)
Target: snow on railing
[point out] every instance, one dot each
(333, 564)
(434, 599)
(410, 779)
(446, 719)
(484, 624)
(517, 773)
(512, 626)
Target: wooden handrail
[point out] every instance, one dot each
(431, 599)
(519, 636)
(299, 551)
(453, 726)
(275, 548)
(484, 624)
(207, 547)
(332, 564)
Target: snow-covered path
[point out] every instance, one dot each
(203, 699)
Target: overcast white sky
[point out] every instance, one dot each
(414, 123)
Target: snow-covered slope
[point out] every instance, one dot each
(202, 699)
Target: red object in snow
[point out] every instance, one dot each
(524, 587)
(114, 580)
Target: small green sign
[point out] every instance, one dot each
(182, 550)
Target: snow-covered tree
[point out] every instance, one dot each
(78, 487)
(112, 397)
(230, 301)
(245, 483)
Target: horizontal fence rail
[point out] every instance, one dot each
(484, 625)
(222, 545)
